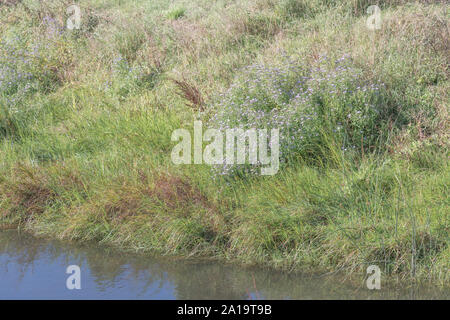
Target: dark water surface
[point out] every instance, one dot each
(33, 268)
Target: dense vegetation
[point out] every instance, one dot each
(86, 117)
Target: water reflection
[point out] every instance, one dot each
(33, 268)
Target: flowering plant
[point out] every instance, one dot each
(310, 106)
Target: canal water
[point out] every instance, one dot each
(32, 268)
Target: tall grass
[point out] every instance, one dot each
(86, 118)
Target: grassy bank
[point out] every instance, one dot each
(87, 115)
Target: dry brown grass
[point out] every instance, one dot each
(190, 93)
(9, 2)
(153, 54)
(168, 193)
(176, 192)
(425, 28)
(193, 38)
(252, 24)
(123, 205)
(29, 192)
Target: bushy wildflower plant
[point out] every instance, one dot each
(31, 62)
(329, 104)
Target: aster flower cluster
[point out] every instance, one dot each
(30, 62)
(53, 28)
(25, 65)
(305, 104)
(15, 77)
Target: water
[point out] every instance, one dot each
(33, 268)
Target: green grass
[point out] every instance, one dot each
(85, 147)
(176, 13)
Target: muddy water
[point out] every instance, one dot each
(33, 268)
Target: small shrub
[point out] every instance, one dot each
(316, 109)
(31, 63)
